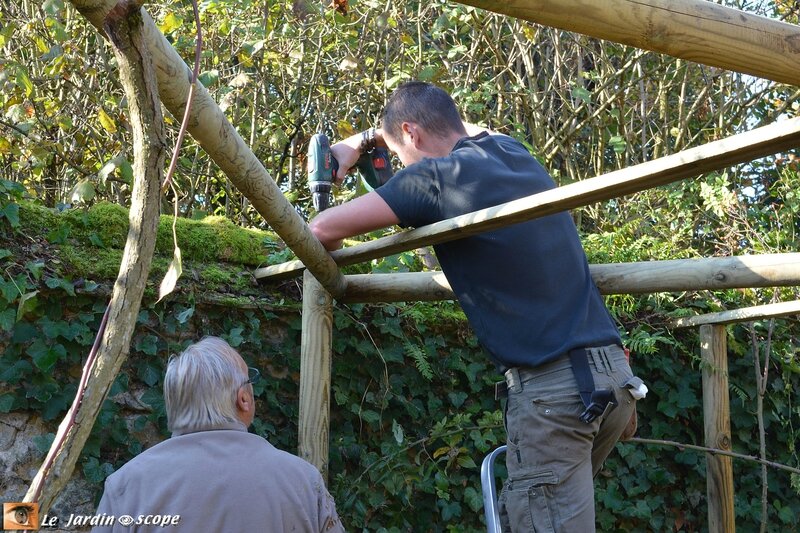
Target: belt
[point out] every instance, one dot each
(516, 376)
(596, 401)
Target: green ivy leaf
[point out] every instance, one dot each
(147, 344)
(473, 499)
(9, 291)
(153, 399)
(457, 398)
(44, 356)
(60, 283)
(234, 338)
(7, 319)
(55, 406)
(95, 239)
(11, 213)
(95, 471)
(369, 416)
(149, 374)
(43, 442)
(6, 402)
(209, 77)
(83, 192)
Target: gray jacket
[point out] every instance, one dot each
(216, 480)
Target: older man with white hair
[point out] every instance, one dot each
(212, 475)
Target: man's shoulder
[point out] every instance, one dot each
(217, 443)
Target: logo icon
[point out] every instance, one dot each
(21, 516)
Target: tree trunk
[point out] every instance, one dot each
(124, 25)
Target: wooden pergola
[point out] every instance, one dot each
(695, 30)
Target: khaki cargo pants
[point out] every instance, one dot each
(553, 456)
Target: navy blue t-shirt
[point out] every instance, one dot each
(526, 289)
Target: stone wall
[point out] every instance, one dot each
(20, 459)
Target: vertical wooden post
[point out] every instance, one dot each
(716, 413)
(315, 374)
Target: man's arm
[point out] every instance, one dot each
(364, 214)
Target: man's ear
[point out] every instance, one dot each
(413, 132)
(244, 399)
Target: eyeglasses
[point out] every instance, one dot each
(253, 376)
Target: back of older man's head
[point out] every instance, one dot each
(201, 384)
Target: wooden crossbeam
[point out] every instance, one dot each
(736, 149)
(712, 273)
(697, 30)
(744, 314)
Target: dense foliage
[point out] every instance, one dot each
(412, 409)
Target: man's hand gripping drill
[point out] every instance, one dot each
(324, 170)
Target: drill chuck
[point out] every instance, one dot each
(320, 194)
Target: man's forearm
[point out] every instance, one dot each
(356, 217)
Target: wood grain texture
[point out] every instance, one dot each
(315, 374)
(717, 425)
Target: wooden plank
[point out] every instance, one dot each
(745, 314)
(697, 30)
(315, 374)
(212, 130)
(740, 148)
(746, 271)
(717, 424)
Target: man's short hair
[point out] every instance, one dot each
(201, 384)
(422, 103)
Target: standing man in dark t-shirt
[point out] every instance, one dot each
(526, 290)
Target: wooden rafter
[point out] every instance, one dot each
(697, 30)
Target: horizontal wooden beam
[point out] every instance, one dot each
(745, 314)
(213, 131)
(740, 148)
(747, 271)
(711, 273)
(697, 30)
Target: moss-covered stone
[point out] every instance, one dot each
(217, 255)
(105, 225)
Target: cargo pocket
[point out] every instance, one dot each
(526, 504)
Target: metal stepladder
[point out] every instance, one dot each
(489, 489)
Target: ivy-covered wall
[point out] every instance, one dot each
(412, 412)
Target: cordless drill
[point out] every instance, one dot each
(375, 167)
